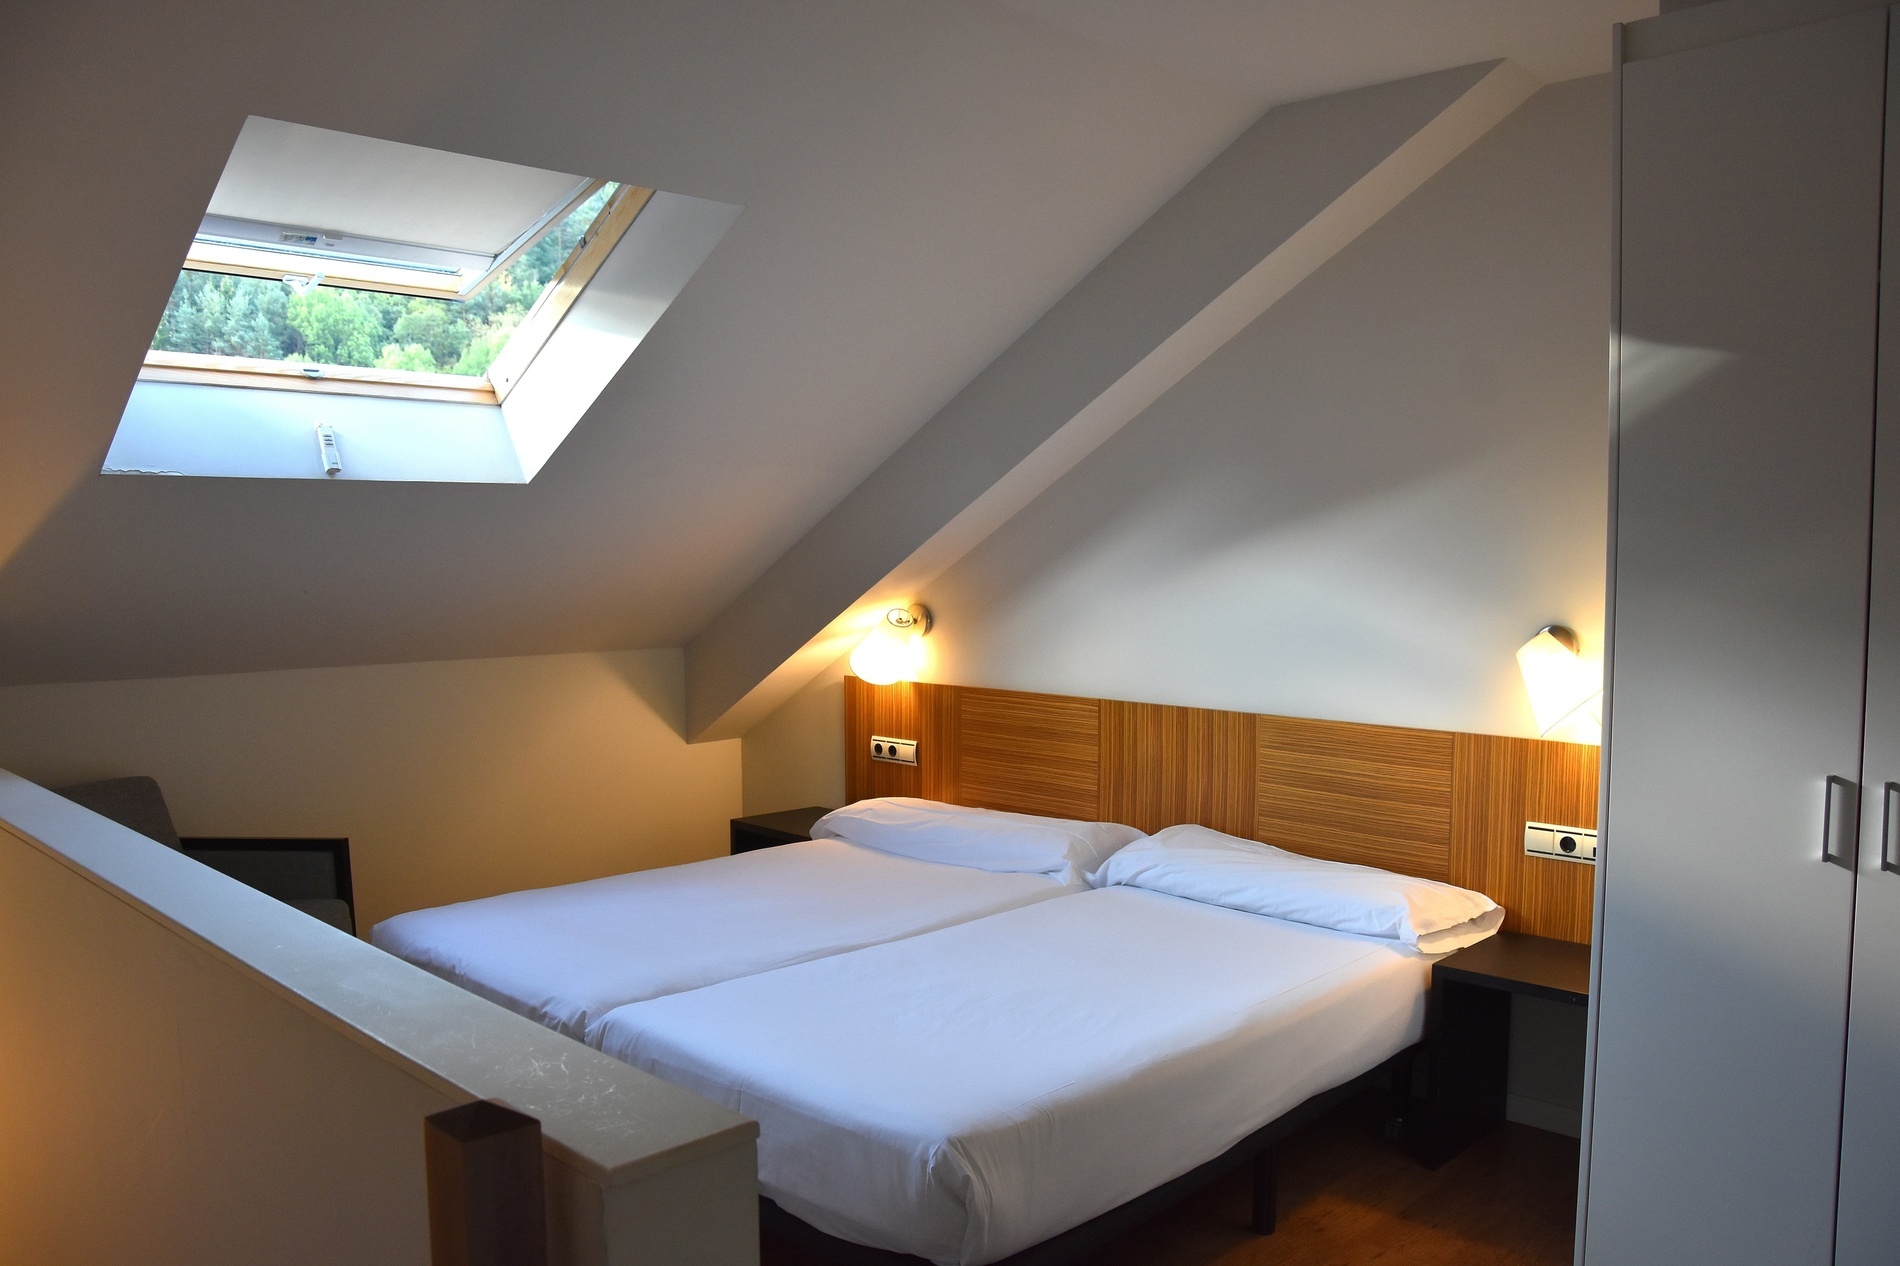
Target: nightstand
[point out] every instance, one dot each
(763, 830)
(1468, 1028)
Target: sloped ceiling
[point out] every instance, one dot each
(920, 182)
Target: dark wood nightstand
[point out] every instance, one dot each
(1468, 1029)
(763, 830)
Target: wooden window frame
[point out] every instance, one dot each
(333, 380)
(536, 328)
(262, 262)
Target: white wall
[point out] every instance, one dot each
(452, 779)
(1361, 506)
(1357, 510)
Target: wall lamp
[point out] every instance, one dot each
(894, 650)
(1566, 690)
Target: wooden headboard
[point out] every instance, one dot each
(1426, 802)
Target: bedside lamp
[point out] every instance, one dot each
(894, 650)
(1566, 690)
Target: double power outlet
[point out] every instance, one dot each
(896, 750)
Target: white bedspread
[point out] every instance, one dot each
(965, 1094)
(566, 956)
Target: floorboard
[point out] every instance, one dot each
(1348, 1197)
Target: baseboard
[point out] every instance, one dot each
(1554, 1117)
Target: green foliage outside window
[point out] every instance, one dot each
(221, 315)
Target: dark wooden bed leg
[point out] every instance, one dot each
(1399, 1113)
(1265, 1207)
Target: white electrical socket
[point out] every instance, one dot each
(899, 751)
(1565, 843)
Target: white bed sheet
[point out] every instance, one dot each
(965, 1094)
(566, 956)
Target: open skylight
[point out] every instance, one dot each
(346, 266)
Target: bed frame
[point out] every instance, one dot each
(1078, 1242)
(1424, 802)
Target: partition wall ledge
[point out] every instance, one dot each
(611, 1124)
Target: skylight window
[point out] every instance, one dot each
(343, 266)
(291, 306)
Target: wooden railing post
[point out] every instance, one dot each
(486, 1206)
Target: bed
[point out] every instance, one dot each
(565, 956)
(964, 1095)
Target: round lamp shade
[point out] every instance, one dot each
(889, 654)
(1566, 691)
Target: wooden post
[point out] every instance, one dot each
(486, 1206)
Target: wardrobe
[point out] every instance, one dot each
(1744, 1100)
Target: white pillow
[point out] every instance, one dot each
(1204, 865)
(983, 839)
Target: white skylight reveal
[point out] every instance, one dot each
(393, 217)
(360, 269)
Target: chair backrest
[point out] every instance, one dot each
(135, 803)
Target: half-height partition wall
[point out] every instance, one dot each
(194, 1073)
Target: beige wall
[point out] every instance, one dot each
(452, 779)
(193, 1073)
(795, 757)
(162, 1108)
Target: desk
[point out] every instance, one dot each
(1468, 1028)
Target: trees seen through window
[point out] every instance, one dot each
(223, 315)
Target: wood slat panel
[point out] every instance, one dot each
(910, 710)
(937, 741)
(1369, 794)
(858, 699)
(1488, 805)
(1425, 802)
(1164, 765)
(1499, 784)
(1555, 898)
(872, 710)
(1029, 753)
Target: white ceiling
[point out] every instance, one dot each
(920, 181)
(313, 178)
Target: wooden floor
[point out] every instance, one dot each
(1348, 1197)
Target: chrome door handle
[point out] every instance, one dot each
(1840, 822)
(1889, 824)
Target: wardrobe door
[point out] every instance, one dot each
(1750, 227)
(1869, 1233)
